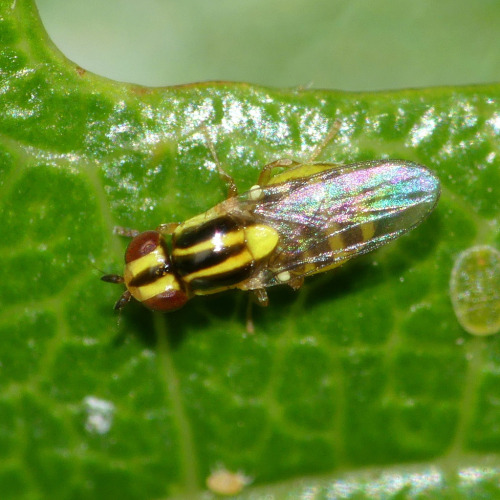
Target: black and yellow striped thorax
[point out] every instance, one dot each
(213, 253)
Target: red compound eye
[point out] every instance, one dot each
(168, 300)
(151, 280)
(144, 243)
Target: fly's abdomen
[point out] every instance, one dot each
(213, 254)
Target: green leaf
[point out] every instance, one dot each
(362, 384)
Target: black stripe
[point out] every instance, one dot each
(203, 232)
(197, 261)
(221, 280)
(352, 236)
(148, 276)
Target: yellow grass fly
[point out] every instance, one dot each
(307, 218)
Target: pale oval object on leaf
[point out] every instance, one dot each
(224, 482)
(475, 290)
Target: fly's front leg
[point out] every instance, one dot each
(168, 228)
(125, 231)
(126, 295)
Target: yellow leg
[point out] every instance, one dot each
(232, 190)
(265, 173)
(302, 168)
(262, 299)
(334, 130)
(249, 323)
(168, 228)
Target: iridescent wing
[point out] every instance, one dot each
(329, 217)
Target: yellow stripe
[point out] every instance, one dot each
(153, 259)
(235, 262)
(227, 240)
(261, 240)
(160, 285)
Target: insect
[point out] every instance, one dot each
(306, 219)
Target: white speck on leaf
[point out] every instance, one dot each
(99, 415)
